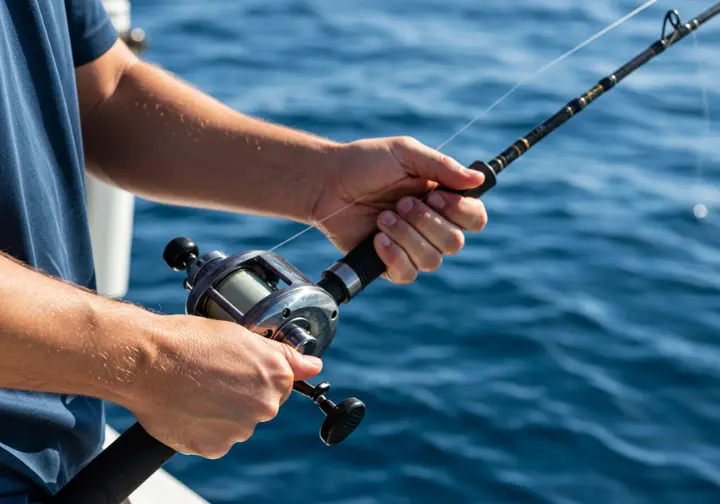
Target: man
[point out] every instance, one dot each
(72, 95)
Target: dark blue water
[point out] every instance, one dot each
(571, 352)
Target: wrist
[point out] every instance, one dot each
(126, 341)
(325, 187)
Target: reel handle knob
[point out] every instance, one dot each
(179, 252)
(341, 419)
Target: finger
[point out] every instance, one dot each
(468, 213)
(421, 252)
(213, 446)
(303, 366)
(219, 441)
(400, 269)
(445, 236)
(422, 161)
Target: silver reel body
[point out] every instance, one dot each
(265, 294)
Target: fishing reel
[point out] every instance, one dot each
(264, 293)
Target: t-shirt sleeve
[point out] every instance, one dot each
(91, 30)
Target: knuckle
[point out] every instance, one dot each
(283, 376)
(432, 262)
(212, 450)
(276, 364)
(408, 275)
(412, 275)
(267, 410)
(455, 242)
(406, 140)
(191, 447)
(399, 268)
(481, 217)
(243, 435)
(419, 213)
(263, 374)
(482, 220)
(274, 373)
(396, 276)
(394, 259)
(277, 361)
(404, 144)
(479, 223)
(186, 448)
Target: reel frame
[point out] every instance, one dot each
(300, 313)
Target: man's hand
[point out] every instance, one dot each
(211, 383)
(391, 176)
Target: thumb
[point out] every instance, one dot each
(421, 161)
(303, 366)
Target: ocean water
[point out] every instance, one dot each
(571, 352)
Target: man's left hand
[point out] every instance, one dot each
(390, 177)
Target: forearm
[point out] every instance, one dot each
(59, 338)
(166, 141)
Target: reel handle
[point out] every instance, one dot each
(366, 263)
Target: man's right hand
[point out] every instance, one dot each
(209, 383)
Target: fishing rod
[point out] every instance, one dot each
(265, 294)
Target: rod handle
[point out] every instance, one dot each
(117, 471)
(366, 263)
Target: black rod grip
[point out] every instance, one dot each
(117, 471)
(364, 260)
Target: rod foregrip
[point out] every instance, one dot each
(362, 265)
(117, 471)
(365, 261)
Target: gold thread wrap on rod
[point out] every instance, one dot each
(680, 31)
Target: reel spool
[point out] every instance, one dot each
(264, 293)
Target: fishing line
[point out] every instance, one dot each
(701, 210)
(548, 67)
(484, 113)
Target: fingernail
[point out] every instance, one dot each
(436, 201)
(388, 218)
(405, 205)
(384, 240)
(311, 359)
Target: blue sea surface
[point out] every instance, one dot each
(571, 352)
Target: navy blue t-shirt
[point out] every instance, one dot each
(46, 438)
